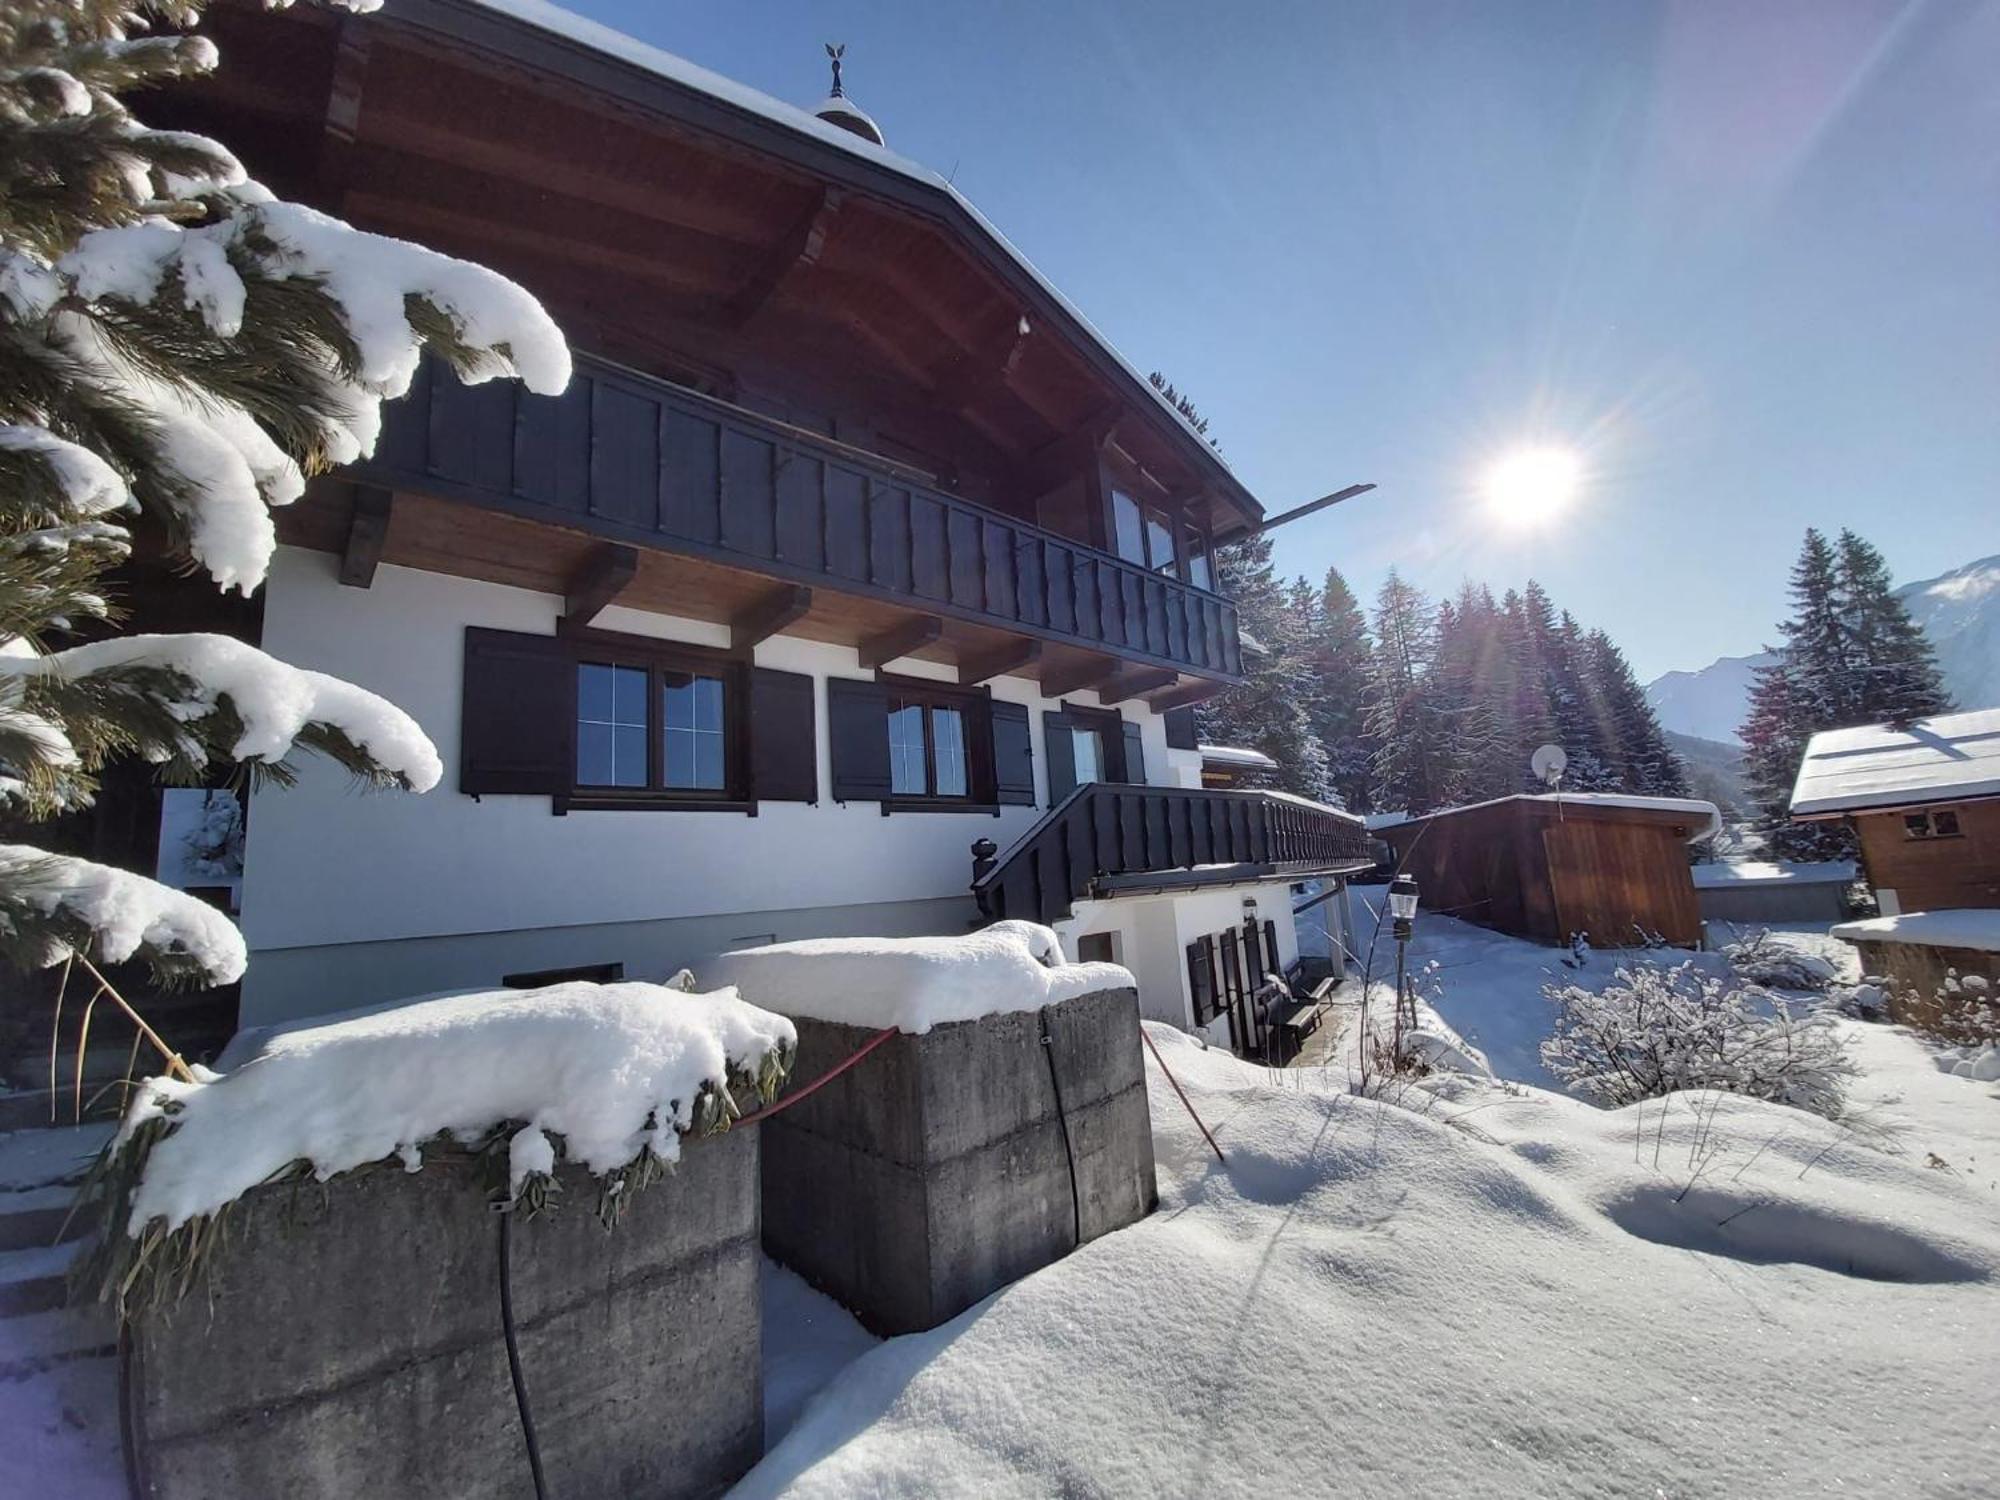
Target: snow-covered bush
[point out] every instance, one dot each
(1761, 958)
(1654, 1031)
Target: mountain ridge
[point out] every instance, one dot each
(1959, 611)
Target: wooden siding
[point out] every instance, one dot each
(1543, 872)
(641, 460)
(1935, 874)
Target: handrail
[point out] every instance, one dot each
(1109, 828)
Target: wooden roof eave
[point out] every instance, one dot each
(521, 42)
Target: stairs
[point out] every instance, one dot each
(39, 1240)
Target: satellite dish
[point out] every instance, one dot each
(1548, 764)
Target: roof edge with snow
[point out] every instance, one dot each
(1692, 807)
(1881, 767)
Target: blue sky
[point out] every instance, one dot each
(1744, 258)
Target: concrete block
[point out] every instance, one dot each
(349, 1343)
(935, 1173)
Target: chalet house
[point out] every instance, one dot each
(1548, 866)
(850, 547)
(1924, 802)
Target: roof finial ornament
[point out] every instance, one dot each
(838, 109)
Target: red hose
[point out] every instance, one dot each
(1183, 1095)
(818, 1083)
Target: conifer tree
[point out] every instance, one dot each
(177, 344)
(1403, 720)
(1894, 675)
(1339, 653)
(1646, 763)
(1269, 710)
(1474, 699)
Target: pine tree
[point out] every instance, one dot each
(1893, 673)
(1410, 760)
(1474, 699)
(1646, 763)
(177, 344)
(1268, 711)
(1339, 655)
(1525, 624)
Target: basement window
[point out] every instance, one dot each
(1932, 823)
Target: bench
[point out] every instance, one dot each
(1295, 1020)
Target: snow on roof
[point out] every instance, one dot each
(605, 39)
(614, 1069)
(1977, 928)
(1693, 807)
(1879, 765)
(1237, 755)
(1325, 807)
(1769, 872)
(914, 983)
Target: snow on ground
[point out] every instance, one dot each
(913, 983)
(808, 1339)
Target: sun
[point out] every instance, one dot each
(1532, 486)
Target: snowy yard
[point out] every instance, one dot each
(1485, 1289)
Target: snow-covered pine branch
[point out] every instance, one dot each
(52, 905)
(177, 341)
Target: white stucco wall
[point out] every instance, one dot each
(328, 864)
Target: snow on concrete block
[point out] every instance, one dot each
(940, 1169)
(916, 983)
(1975, 929)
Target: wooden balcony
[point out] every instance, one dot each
(654, 466)
(1109, 839)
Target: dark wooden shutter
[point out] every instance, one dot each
(784, 753)
(1201, 980)
(1135, 755)
(517, 717)
(1062, 756)
(1180, 729)
(857, 721)
(1013, 756)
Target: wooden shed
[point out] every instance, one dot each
(1547, 866)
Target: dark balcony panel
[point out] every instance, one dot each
(749, 495)
(846, 498)
(648, 462)
(624, 458)
(552, 449)
(889, 539)
(690, 476)
(472, 433)
(930, 549)
(968, 576)
(801, 518)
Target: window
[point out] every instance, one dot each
(1935, 823)
(1159, 544)
(610, 725)
(1087, 747)
(653, 722)
(1200, 571)
(927, 756)
(1128, 528)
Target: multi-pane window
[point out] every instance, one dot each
(651, 728)
(691, 729)
(927, 755)
(611, 733)
(1936, 823)
(1159, 543)
(1200, 571)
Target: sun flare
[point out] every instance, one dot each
(1532, 486)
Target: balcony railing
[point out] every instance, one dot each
(1104, 833)
(650, 463)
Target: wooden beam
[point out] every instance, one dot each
(1138, 681)
(1089, 674)
(342, 118)
(367, 531)
(1187, 697)
(900, 640)
(604, 575)
(973, 377)
(801, 246)
(785, 605)
(999, 663)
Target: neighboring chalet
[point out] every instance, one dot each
(850, 545)
(1549, 866)
(1233, 766)
(1924, 802)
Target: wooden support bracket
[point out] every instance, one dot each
(801, 246)
(785, 605)
(367, 533)
(1136, 682)
(1187, 697)
(1062, 682)
(999, 663)
(604, 575)
(900, 640)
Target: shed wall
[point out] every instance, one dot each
(1935, 874)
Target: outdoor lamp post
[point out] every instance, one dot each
(1402, 907)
